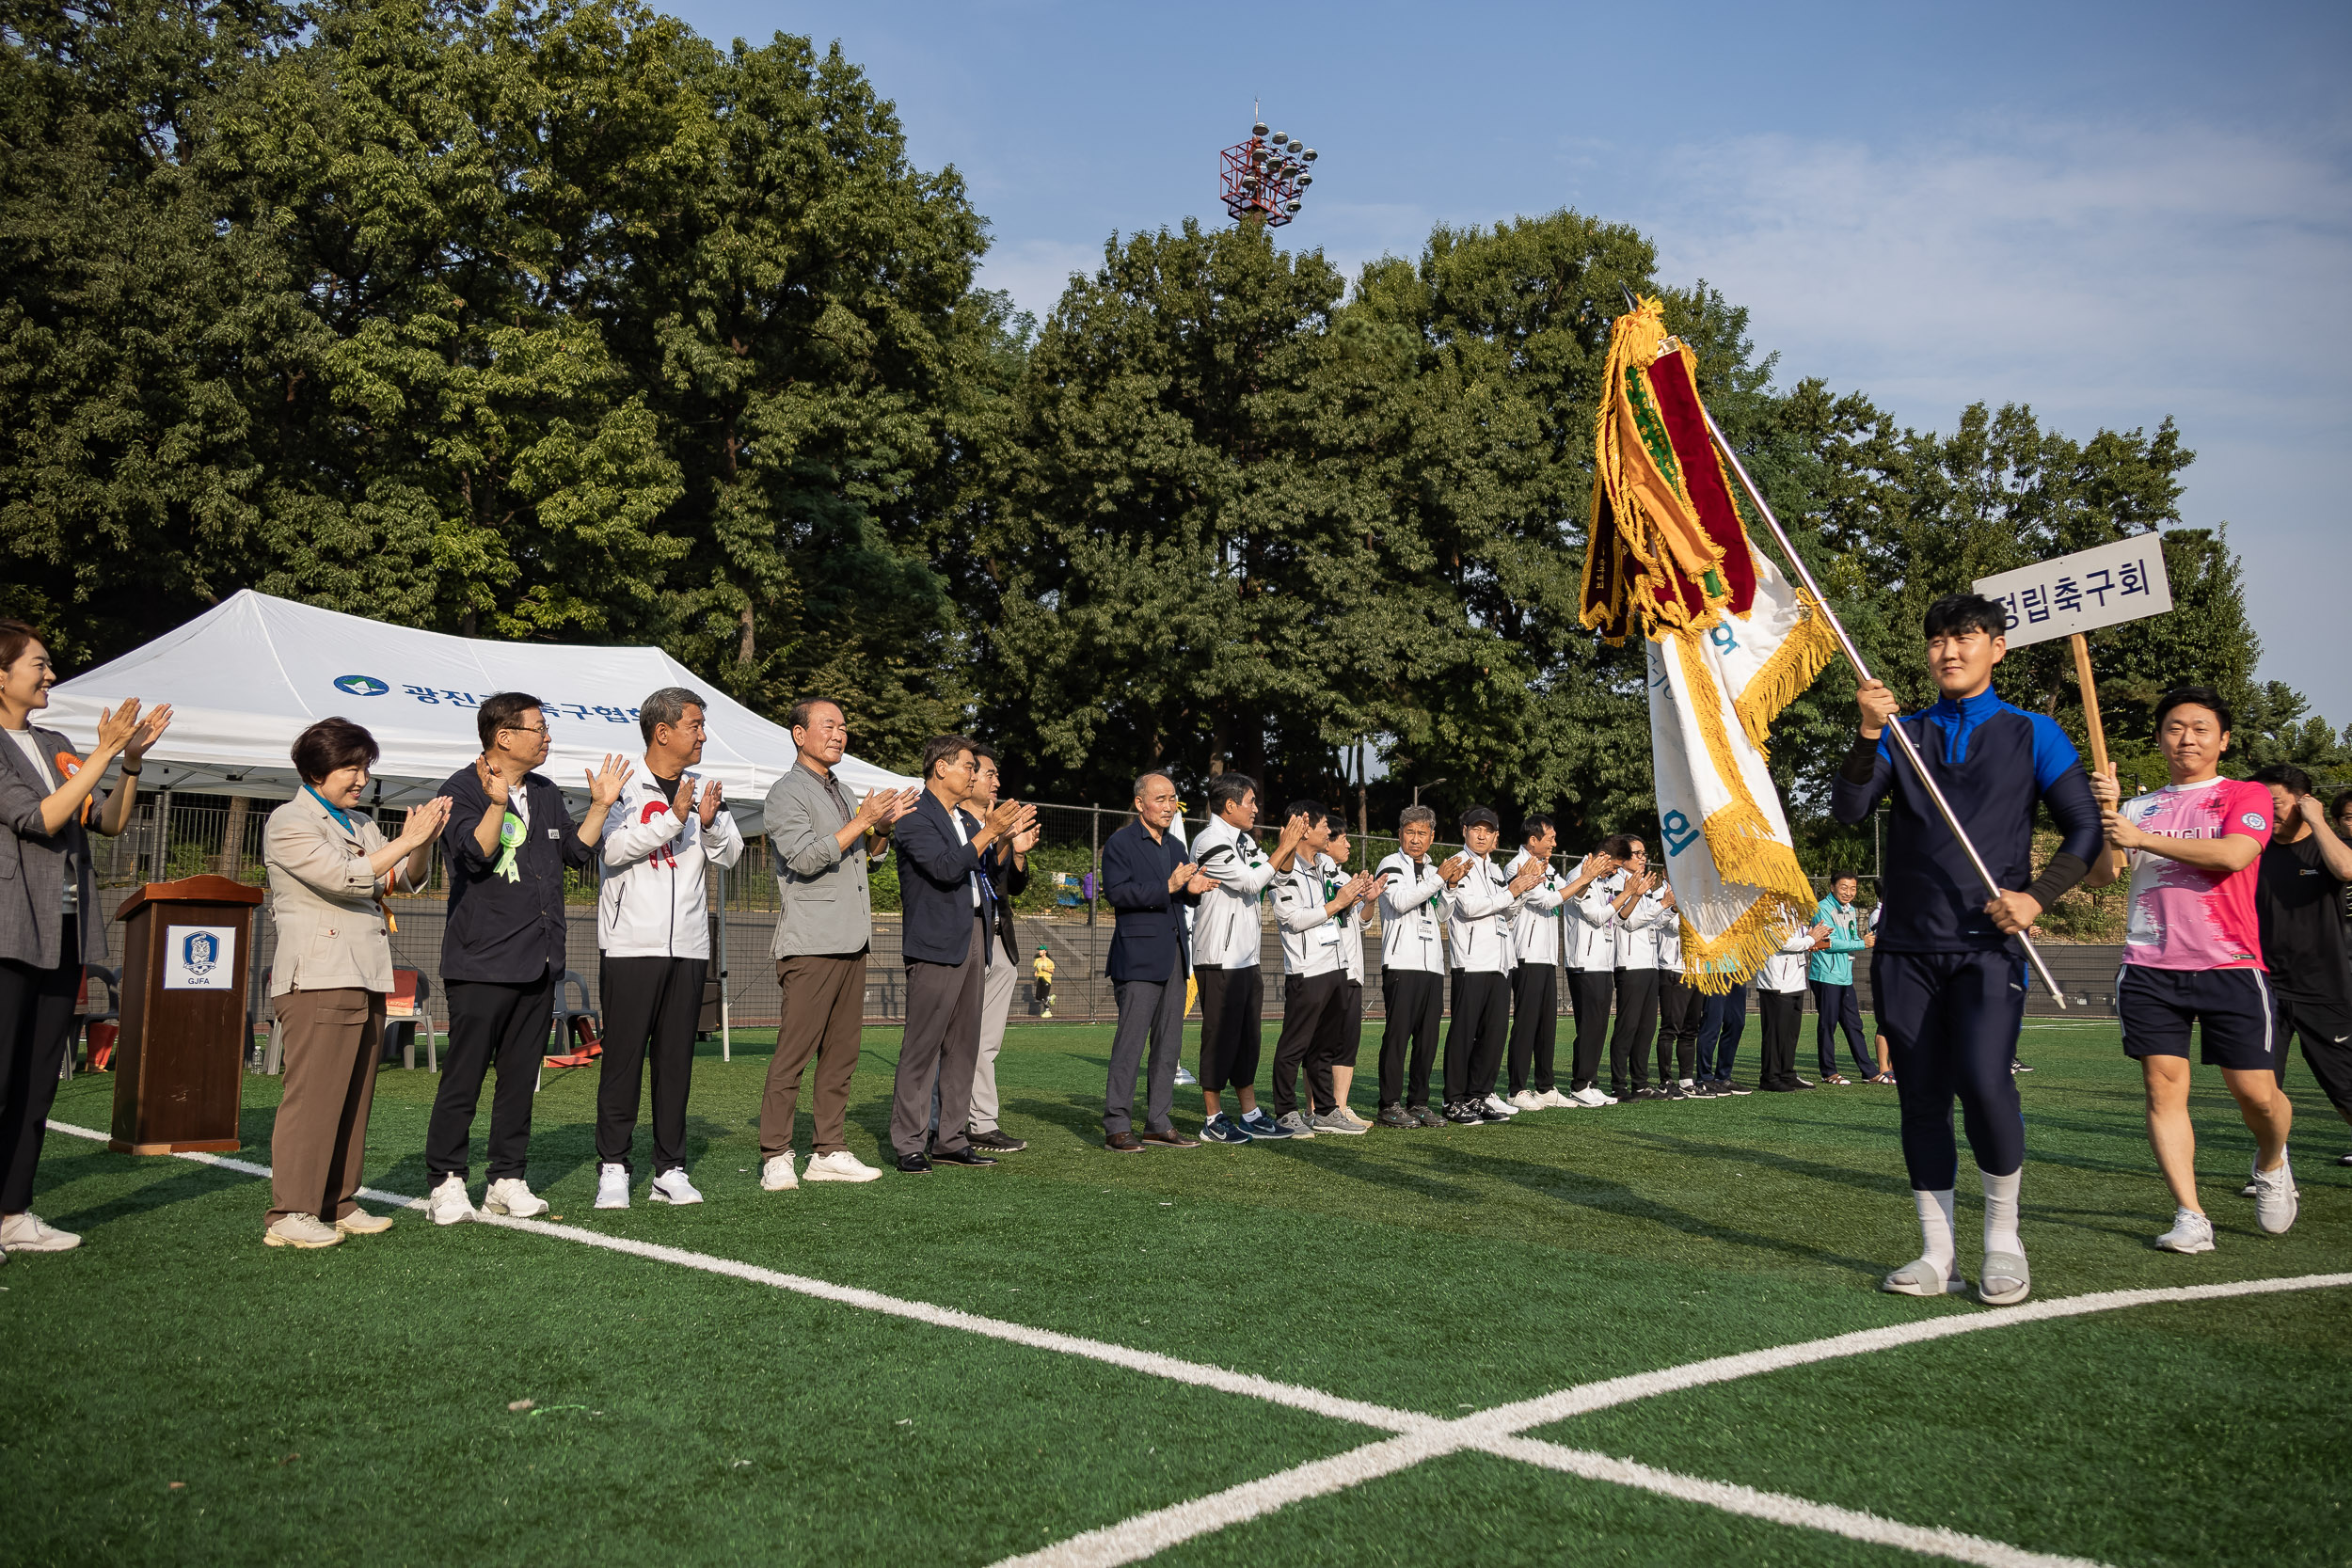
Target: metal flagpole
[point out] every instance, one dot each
(1902, 740)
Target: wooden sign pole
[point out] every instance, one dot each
(2091, 704)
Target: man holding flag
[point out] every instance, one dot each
(1945, 980)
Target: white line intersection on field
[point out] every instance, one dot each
(1420, 1438)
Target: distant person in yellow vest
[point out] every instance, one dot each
(1041, 971)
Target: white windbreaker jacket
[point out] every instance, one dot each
(1229, 926)
(1412, 929)
(1535, 918)
(1640, 933)
(1593, 925)
(652, 904)
(1314, 941)
(1478, 915)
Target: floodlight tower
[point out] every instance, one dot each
(1266, 178)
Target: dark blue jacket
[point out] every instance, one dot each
(1148, 942)
(935, 878)
(512, 932)
(1994, 763)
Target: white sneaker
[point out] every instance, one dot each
(672, 1186)
(1552, 1099)
(448, 1203)
(1591, 1097)
(1499, 1106)
(511, 1196)
(775, 1173)
(2190, 1233)
(27, 1233)
(840, 1165)
(611, 1185)
(301, 1230)
(2276, 1200)
(1349, 1112)
(1528, 1100)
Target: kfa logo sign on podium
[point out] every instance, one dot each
(201, 958)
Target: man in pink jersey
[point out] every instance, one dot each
(2193, 955)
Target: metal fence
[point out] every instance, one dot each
(172, 837)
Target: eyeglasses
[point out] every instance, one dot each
(528, 729)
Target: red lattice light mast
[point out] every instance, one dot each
(1266, 178)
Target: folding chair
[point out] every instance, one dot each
(98, 1029)
(564, 1013)
(405, 1010)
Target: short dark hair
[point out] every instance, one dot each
(2344, 798)
(1315, 812)
(1482, 817)
(2183, 696)
(330, 744)
(2286, 775)
(500, 711)
(944, 748)
(797, 718)
(666, 706)
(983, 751)
(1958, 612)
(15, 636)
(1535, 827)
(1838, 877)
(1619, 846)
(1226, 789)
(1145, 777)
(1413, 815)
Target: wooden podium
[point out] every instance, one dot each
(180, 1069)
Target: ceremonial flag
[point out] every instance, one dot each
(1730, 642)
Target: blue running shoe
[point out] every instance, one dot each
(1219, 1129)
(1257, 1124)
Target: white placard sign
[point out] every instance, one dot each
(2092, 588)
(200, 957)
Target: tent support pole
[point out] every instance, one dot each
(726, 1037)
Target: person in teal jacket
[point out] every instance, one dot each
(1831, 974)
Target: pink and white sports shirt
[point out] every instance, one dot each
(2184, 918)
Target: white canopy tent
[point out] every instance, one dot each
(245, 678)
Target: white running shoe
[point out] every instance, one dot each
(1527, 1100)
(301, 1230)
(1552, 1099)
(672, 1186)
(1339, 1121)
(2190, 1233)
(1591, 1097)
(840, 1165)
(27, 1233)
(611, 1185)
(1499, 1106)
(512, 1195)
(1349, 1112)
(2276, 1200)
(448, 1203)
(775, 1173)
(360, 1223)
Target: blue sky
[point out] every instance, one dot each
(2111, 213)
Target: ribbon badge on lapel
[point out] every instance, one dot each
(511, 835)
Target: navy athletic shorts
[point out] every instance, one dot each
(2236, 1017)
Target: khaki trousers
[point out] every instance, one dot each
(824, 1005)
(332, 1040)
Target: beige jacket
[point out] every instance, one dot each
(322, 901)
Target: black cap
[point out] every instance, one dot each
(1482, 817)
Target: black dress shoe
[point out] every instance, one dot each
(995, 1142)
(961, 1157)
(914, 1165)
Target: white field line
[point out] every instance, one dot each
(1195, 1373)
(1421, 1437)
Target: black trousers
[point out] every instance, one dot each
(1782, 1011)
(1535, 1024)
(1338, 1038)
(1414, 1000)
(1637, 1015)
(1306, 1000)
(1477, 1034)
(657, 1000)
(1836, 1006)
(1232, 1026)
(1589, 993)
(489, 1020)
(36, 1021)
(2323, 1028)
(1679, 1012)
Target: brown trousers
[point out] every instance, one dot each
(824, 1005)
(316, 1146)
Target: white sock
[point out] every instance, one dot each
(1935, 1226)
(2000, 1213)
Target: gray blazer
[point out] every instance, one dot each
(32, 865)
(826, 906)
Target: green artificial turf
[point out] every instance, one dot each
(351, 1405)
